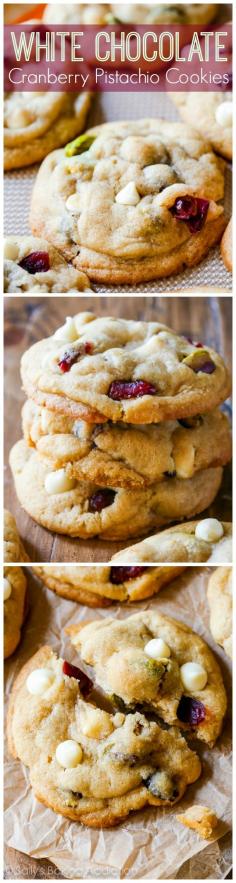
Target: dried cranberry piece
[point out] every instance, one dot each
(191, 711)
(196, 343)
(192, 210)
(36, 262)
(130, 389)
(122, 574)
(72, 671)
(101, 499)
(71, 356)
(206, 368)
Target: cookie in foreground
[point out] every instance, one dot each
(34, 265)
(100, 586)
(150, 660)
(84, 763)
(206, 540)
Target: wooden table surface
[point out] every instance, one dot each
(28, 319)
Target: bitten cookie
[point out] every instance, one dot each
(124, 455)
(157, 662)
(32, 264)
(211, 114)
(138, 13)
(220, 601)
(131, 201)
(37, 122)
(226, 246)
(99, 586)
(123, 370)
(207, 540)
(82, 509)
(13, 549)
(84, 763)
(14, 589)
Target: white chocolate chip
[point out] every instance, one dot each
(157, 649)
(19, 118)
(39, 681)
(7, 589)
(129, 195)
(73, 203)
(58, 482)
(193, 676)
(11, 251)
(94, 723)
(210, 530)
(67, 331)
(69, 754)
(224, 113)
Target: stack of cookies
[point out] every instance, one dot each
(122, 432)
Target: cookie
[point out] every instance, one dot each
(211, 114)
(220, 602)
(14, 607)
(32, 264)
(123, 455)
(82, 509)
(131, 201)
(194, 541)
(37, 122)
(84, 763)
(226, 246)
(157, 662)
(100, 586)
(200, 819)
(125, 370)
(13, 549)
(138, 13)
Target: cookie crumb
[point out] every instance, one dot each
(199, 819)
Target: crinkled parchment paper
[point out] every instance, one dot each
(150, 844)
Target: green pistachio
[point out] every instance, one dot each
(200, 360)
(79, 145)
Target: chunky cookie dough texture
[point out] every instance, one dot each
(82, 509)
(221, 603)
(13, 549)
(99, 586)
(226, 246)
(33, 264)
(123, 455)
(135, 201)
(138, 13)
(35, 123)
(124, 370)
(15, 587)
(195, 541)
(211, 114)
(84, 763)
(157, 662)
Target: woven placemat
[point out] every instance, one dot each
(107, 106)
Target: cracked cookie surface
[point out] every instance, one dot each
(142, 661)
(33, 264)
(100, 586)
(14, 607)
(123, 455)
(37, 122)
(220, 602)
(140, 201)
(84, 763)
(82, 509)
(182, 543)
(129, 371)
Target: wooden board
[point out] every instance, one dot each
(28, 319)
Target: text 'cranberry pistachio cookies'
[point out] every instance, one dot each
(32, 264)
(124, 455)
(13, 549)
(131, 201)
(140, 13)
(84, 763)
(211, 114)
(82, 509)
(221, 603)
(99, 586)
(37, 122)
(207, 540)
(124, 370)
(152, 661)
(14, 593)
